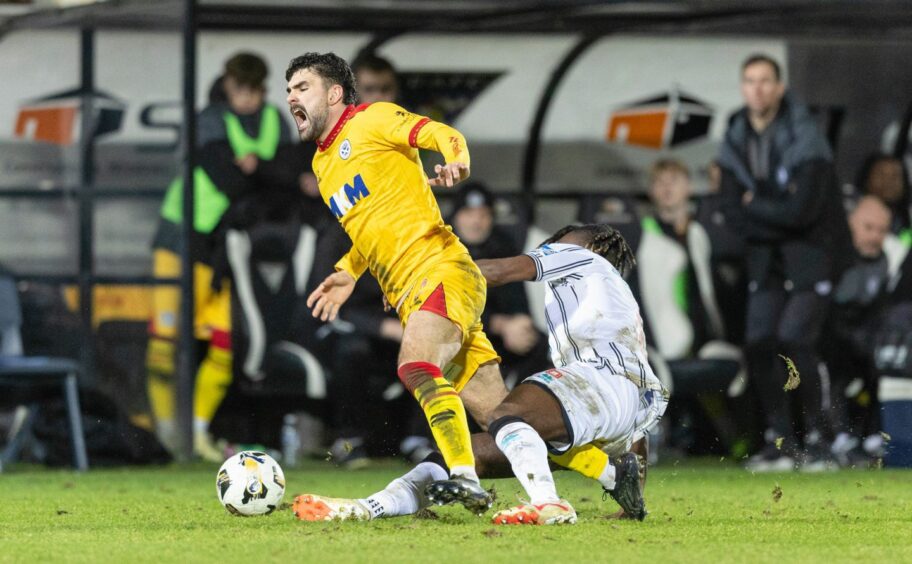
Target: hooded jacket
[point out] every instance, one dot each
(795, 224)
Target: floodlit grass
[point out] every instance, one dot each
(700, 512)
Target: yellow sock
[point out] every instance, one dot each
(587, 460)
(212, 381)
(160, 378)
(447, 417)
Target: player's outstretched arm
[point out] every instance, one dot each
(503, 271)
(330, 295)
(337, 288)
(401, 129)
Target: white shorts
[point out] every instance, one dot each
(598, 407)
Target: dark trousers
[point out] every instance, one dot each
(847, 359)
(790, 324)
(362, 368)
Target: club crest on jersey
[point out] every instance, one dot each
(345, 149)
(347, 196)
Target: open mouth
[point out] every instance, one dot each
(299, 116)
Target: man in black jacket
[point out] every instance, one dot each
(240, 146)
(779, 190)
(859, 300)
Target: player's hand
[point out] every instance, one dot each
(450, 174)
(747, 198)
(248, 163)
(391, 330)
(519, 334)
(330, 295)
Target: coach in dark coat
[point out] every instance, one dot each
(779, 191)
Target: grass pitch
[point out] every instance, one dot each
(699, 512)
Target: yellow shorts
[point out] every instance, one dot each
(212, 309)
(457, 291)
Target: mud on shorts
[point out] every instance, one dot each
(598, 407)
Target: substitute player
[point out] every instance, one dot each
(372, 179)
(599, 400)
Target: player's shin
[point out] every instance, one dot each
(445, 414)
(589, 461)
(528, 455)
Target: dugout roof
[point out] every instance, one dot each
(881, 19)
(873, 20)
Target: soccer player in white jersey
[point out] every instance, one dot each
(601, 394)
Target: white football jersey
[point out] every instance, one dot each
(592, 317)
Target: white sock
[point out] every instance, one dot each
(403, 496)
(166, 427)
(200, 426)
(607, 477)
(528, 456)
(467, 472)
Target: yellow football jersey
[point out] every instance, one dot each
(372, 179)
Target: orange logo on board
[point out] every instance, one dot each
(55, 119)
(663, 121)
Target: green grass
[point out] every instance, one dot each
(700, 512)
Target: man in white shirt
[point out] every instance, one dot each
(599, 400)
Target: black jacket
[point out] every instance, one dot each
(795, 226)
(274, 181)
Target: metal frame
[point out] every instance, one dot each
(881, 20)
(187, 361)
(86, 203)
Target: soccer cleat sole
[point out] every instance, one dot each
(312, 508)
(446, 492)
(530, 515)
(627, 491)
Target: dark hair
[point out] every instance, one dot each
(373, 63)
(217, 93)
(762, 58)
(900, 209)
(247, 69)
(473, 194)
(603, 240)
(332, 69)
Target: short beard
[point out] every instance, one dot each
(317, 124)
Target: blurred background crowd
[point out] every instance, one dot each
(773, 252)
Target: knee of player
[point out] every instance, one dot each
(503, 412)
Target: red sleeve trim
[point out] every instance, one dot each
(413, 134)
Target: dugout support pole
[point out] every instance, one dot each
(533, 143)
(186, 369)
(86, 206)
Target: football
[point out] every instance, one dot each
(250, 483)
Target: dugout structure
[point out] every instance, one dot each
(587, 20)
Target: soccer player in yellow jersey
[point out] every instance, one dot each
(372, 179)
